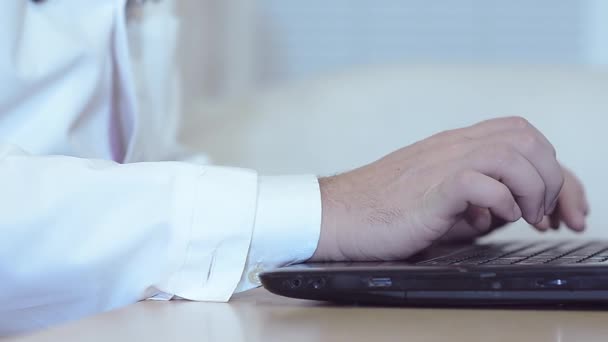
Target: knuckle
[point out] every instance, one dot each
(503, 194)
(518, 122)
(561, 181)
(529, 141)
(552, 150)
(539, 188)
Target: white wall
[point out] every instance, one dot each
(229, 48)
(596, 33)
(316, 36)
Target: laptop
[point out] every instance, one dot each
(499, 273)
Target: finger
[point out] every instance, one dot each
(571, 208)
(473, 188)
(479, 219)
(586, 207)
(543, 225)
(530, 142)
(474, 224)
(477, 222)
(554, 220)
(531, 145)
(498, 222)
(577, 186)
(505, 164)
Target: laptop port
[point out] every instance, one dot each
(317, 283)
(380, 282)
(295, 283)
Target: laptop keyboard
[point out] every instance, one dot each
(548, 253)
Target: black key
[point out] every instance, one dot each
(563, 261)
(534, 250)
(514, 247)
(592, 261)
(456, 257)
(568, 247)
(571, 258)
(586, 252)
(536, 260)
(549, 254)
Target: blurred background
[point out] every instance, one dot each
(240, 43)
(322, 87)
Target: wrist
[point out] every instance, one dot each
(331, 206)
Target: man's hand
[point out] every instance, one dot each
(572, 209)
(457, 184)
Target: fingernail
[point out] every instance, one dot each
(540, 228)
(582, 223)
(585, 209)
(516, 212)
(541, 214)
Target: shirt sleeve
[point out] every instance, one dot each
(287, 225)
(82, 236)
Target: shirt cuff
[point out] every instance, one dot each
(287, 225)
(215, 212)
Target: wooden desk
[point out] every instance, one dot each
(260, 316)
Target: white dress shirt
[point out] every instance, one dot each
(86, 224)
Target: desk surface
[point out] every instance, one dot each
(260, 316)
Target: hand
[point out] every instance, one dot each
(494, 172)
(572, 206)
(572, 209)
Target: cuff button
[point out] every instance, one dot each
(254, 274)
